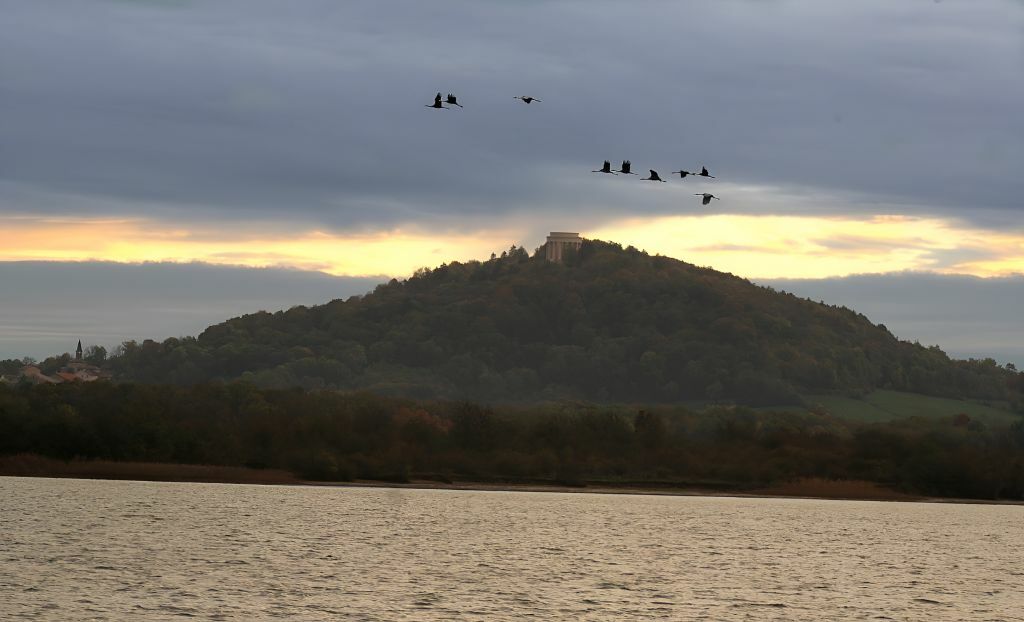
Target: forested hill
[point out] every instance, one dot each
(611, 324)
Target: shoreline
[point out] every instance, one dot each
(836, 490)
(611, 489)
(774, 492)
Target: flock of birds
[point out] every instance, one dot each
(683, 174)
(452, 100)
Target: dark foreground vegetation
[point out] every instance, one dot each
(608, 325)
(333, 436)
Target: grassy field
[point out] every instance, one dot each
(889, 405)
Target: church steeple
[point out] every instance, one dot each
(78, 351)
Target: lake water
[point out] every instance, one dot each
(101, 550)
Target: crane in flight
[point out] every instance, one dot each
(707, 197)
(682, 174)
(437, 103)
(607, 168)
(526, 98)
(452, 100)
(654, 176)
(704, 173)
(626, 165)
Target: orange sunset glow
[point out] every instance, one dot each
(750, 246)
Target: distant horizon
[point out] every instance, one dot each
(906, 302)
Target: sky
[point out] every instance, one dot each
(272, 140)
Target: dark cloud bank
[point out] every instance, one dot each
(312, 112)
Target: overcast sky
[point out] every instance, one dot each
(854, 136)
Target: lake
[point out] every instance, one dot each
(109, 550)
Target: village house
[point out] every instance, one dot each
(35, 375)
(76, 370)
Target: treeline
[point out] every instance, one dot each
(332, 436)
(610, 325)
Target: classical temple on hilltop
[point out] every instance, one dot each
(560, 241)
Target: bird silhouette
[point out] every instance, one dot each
(452, 100)
(607, 168)
(704, 173)
(626, 165)
(707, 197)
(437, 103)
(682, 174)
(654, 176)
(526, 98)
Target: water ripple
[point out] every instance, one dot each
(92, 550)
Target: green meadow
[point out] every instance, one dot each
(883, 405)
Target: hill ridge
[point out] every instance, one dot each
(607, 324)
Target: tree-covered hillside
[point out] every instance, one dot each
(610, 324)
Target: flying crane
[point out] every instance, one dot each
(437, 103)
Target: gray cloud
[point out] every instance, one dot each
(312, 113)
(56, 303)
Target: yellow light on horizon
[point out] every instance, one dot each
(394, 252)
(750, 246)
(818, 247)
